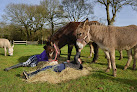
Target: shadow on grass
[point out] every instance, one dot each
(123, 57)
(117, 65)
(74, 55)
(100, 75)
(23, 58)
(66, 54)
(2, 54)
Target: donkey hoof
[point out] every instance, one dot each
(107, 70)
(134, 68)
(95, 61)
(119, 59)
(125, 68)
(89, 56)
(114, 75)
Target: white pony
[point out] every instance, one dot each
(4, 43)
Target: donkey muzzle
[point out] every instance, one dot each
(80, 43)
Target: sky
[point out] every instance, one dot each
(127, 16)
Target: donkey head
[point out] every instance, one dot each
(83, 34)
(50, 49)
(10, 50)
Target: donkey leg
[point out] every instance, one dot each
(121, 55)
(91, 50)
(135, 58)
(70, 47)
(5, 50)
(112, 58)
(109, 62)
(129, 53)
(96, 47)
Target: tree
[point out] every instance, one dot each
(55, 12)
(114, 6)
(16, 13)
(77, 10)
(36, 18)
(2, 32)
(28, 16)
(134, 6)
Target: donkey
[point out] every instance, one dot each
(4, 43)
(109, 38)
(67, 35)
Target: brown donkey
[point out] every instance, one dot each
(109, 38)
(67, 36)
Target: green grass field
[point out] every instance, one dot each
(97, 81)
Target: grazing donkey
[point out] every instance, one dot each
(4, 43)
(109, 38)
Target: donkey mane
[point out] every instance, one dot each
(71, 26)
(95, 23)
(63, 30)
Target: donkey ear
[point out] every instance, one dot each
(86, 21)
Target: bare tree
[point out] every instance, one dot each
(77, 10)
(16, 13)
(28, 16)
(36, 18)
(114, 6)
(134, 5)
(55, 12)
(2, 32)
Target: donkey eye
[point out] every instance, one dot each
(80, 34)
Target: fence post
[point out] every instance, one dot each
(13, 42)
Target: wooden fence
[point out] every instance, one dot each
(25, 42)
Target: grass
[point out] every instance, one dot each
(97, 81)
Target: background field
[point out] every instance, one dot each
(97, 80)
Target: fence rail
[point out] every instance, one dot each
(25, 42)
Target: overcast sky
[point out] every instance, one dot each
(125, 17)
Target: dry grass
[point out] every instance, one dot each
(56, 77)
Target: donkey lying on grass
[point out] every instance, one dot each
(4, 43)
(109, 38)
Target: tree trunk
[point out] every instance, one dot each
(110, 22)
(107, 11)
(52, 28)
(28, 36)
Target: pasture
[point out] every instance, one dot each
(97, 81)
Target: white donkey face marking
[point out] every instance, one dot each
(11, 51)
(51, 54)
(80, 45)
